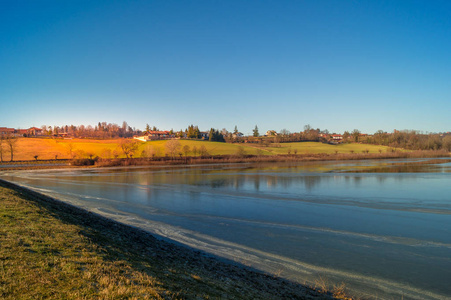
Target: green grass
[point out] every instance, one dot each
(27, 148)
(215, 148)
(42, 256)
(316, 147)
(54, 251)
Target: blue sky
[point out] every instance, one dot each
(336, 65)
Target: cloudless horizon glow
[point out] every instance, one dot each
(336, 65)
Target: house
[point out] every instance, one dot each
(143, 138)
(21, 132)
(6, 131)
(337, 137)
(153, 135)
(205, 135)
(271, 133)
(34, 131)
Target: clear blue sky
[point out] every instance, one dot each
(336, 65)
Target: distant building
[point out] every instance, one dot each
(21, 132)
(34, 131)
(7, 131)
(205, 135)
(271, 133)
(153, 135)
(337, 137)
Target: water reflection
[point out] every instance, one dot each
(350, 221)
(310, 182)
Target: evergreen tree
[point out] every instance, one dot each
(216, 136)
(256, 134)
(193, 132)
(211, 135)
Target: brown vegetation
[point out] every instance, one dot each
(240, 157)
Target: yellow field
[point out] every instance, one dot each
(315, 147)
(213, 148)
(27, 148)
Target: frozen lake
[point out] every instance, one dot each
(381, 227)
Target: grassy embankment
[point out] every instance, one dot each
(56, 251)
(28, 148)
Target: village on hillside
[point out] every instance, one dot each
(32, 131)
(155, 134)
(407, 139)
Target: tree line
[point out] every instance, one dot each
(411, 139)
(102, 130)
(407, 139)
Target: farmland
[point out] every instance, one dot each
(44, 148)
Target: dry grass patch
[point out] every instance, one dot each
(43, 257)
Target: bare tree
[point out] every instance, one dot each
(11, 142)
(186, 150)
(70, 149)
(129, 147)
(153, 151)
(172, 147)
(447, 143)
(240, 152)
(1, 147)
(203, 151)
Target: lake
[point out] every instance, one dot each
(381, 227)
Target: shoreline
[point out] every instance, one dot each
(249, 282)
(192, 161)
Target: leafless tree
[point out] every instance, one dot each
(70, 149)
(11, 142)
(129, 147)
(1, 147)
(186, 150)
(203, 151)
(172, 147)
(447, 143)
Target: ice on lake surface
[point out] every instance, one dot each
(381, 227)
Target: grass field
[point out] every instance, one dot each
(28, 148)
(54, 251)
(315, 147)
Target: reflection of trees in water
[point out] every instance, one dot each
(236, 180)
(253, 179)
(310, 182)
(381, 179)
(257, 182)
(271, 181)
(357, 180)
(274, 181)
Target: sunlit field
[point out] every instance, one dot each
(44, 149)
(315, 147)
(28, 148)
